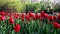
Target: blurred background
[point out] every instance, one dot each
(30, 5)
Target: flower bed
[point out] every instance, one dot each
(29, 23)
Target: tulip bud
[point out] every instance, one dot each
(2, 13)
(17, 28)
(56, 25)
(22, 17)
(42, 13)
(58, 17)
(11, 20)
(46, 15)
(2, 18)
(30, 13)
(37, 16)
(16, 16)
(28, 17)
(51, 17)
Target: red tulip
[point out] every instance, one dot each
(46, 15)
(42, 13)
(6, 13)
(37, 16)
(11, 14)
(31, 14)
(54, 17)
(51, 17)
(34, 17)
(11, 20)
(17, 28)
(22, 17)
(28, 17)
(16, 16)
(2, 18)
(2, 13)
(56, 25)
(58, 17)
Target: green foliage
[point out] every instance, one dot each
(15, 4)
(37, 7)
(32, 7)
(56, 7)
(28, 6)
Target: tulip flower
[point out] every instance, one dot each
(56, 25)
(46, 15)
(54, 17)
(6, 13)
(11, 20)
(2, 18)
(37, 16)
(16, 16)
(22, 17)
(17, 28)
(51, 17)
(11, 14)
(28, 17)
(42, 13)
(58, 17)
(2, 13)
(31, 14)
